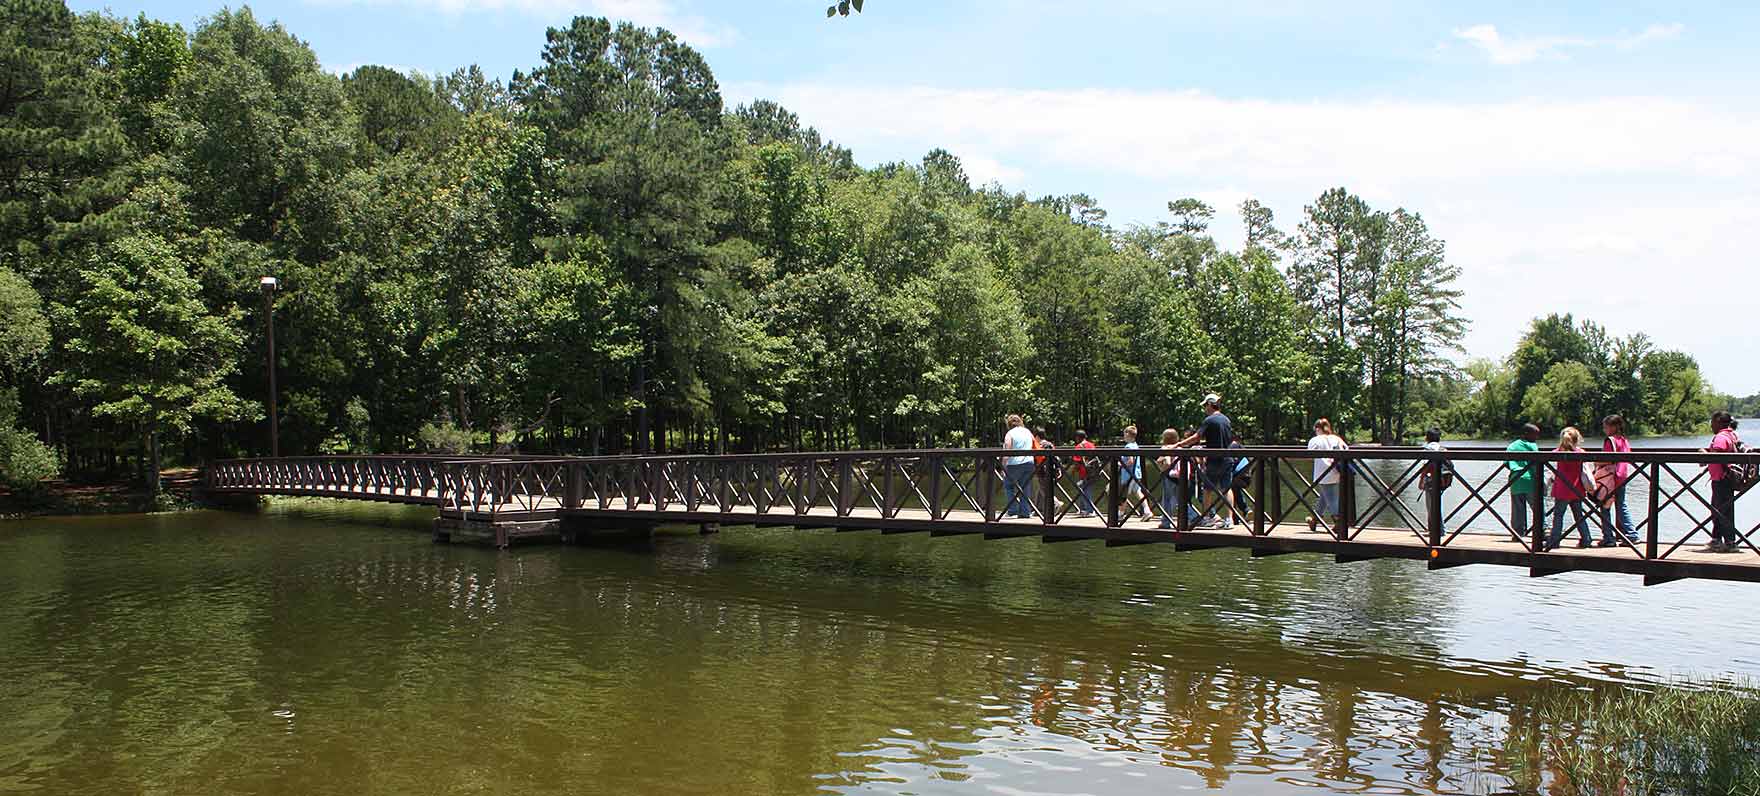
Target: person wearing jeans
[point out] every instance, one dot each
(1176, 478)
(1568, 491)
(1521, 479)
(1017, 479)
(1611, 479)
(1723, 488)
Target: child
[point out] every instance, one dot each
(1130, 471)
(1610, 484)
(1568, 491)
(1172, 478)
(1086, 506)
(1325, 473)
(1521, 479)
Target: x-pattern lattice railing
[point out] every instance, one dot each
(1380, 488)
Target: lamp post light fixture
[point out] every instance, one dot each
(269, 283)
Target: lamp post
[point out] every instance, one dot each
(269, 283)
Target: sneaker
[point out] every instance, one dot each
(1731, 547)
(1582, 543)
(1713, 547)
(1225, 525)
(1082, 515)
(1165, 525)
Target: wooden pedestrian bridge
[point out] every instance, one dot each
(1384, 513)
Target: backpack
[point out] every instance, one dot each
(1742, 475)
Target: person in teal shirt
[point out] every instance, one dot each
(1521, 478)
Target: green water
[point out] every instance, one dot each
(323, 648)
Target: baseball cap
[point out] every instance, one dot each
(1212, 399)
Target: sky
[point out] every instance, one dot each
(1591, 157)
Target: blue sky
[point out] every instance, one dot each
(1589, 157)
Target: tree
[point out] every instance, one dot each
(146, 350)
(24, 337)
(1413, 322)
(1565, 396)
(636, 115)
(397, 112)
(59, 141)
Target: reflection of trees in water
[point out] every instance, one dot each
(747, 662)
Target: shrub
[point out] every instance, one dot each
(26, 464)
(443, 437)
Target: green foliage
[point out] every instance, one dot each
(24, 331)
(444, 437)
(26, 463)
(599, 256)
(1690, 739)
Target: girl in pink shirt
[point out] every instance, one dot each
(1568, 490)
(1610, 483)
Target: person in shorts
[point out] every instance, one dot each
(1216, 433)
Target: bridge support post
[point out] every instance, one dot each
(709, 528)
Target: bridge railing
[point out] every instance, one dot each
(1437, 499)
(413, 478)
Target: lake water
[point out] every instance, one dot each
(329, 648)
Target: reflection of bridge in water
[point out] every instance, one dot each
(1384, 512)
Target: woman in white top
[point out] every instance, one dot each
(1017, 480)
(1325, 474)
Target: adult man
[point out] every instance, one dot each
(1017, 481)
(1217, 433)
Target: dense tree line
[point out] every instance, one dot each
(599, 255)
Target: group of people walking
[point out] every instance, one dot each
(1212, 488)
(1211, 480)
(1599, 485)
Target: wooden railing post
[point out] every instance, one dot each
(1537, 506)
(575, 478)
(987, 486)
(845, 473)
(1652, 540)
(1433, 499)
(1259, 495)
(1347, 487)
(1048, 488)
(936, 466)
(1116, 486)
(724, 487)
(689, 479)
(1184, 521)
(888, 500)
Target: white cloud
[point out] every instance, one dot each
(1629, 210)
(694, 29)
(1509, 50)
(981, 170)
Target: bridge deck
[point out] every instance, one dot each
(1366, 543)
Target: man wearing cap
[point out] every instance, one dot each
(1217, 433)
